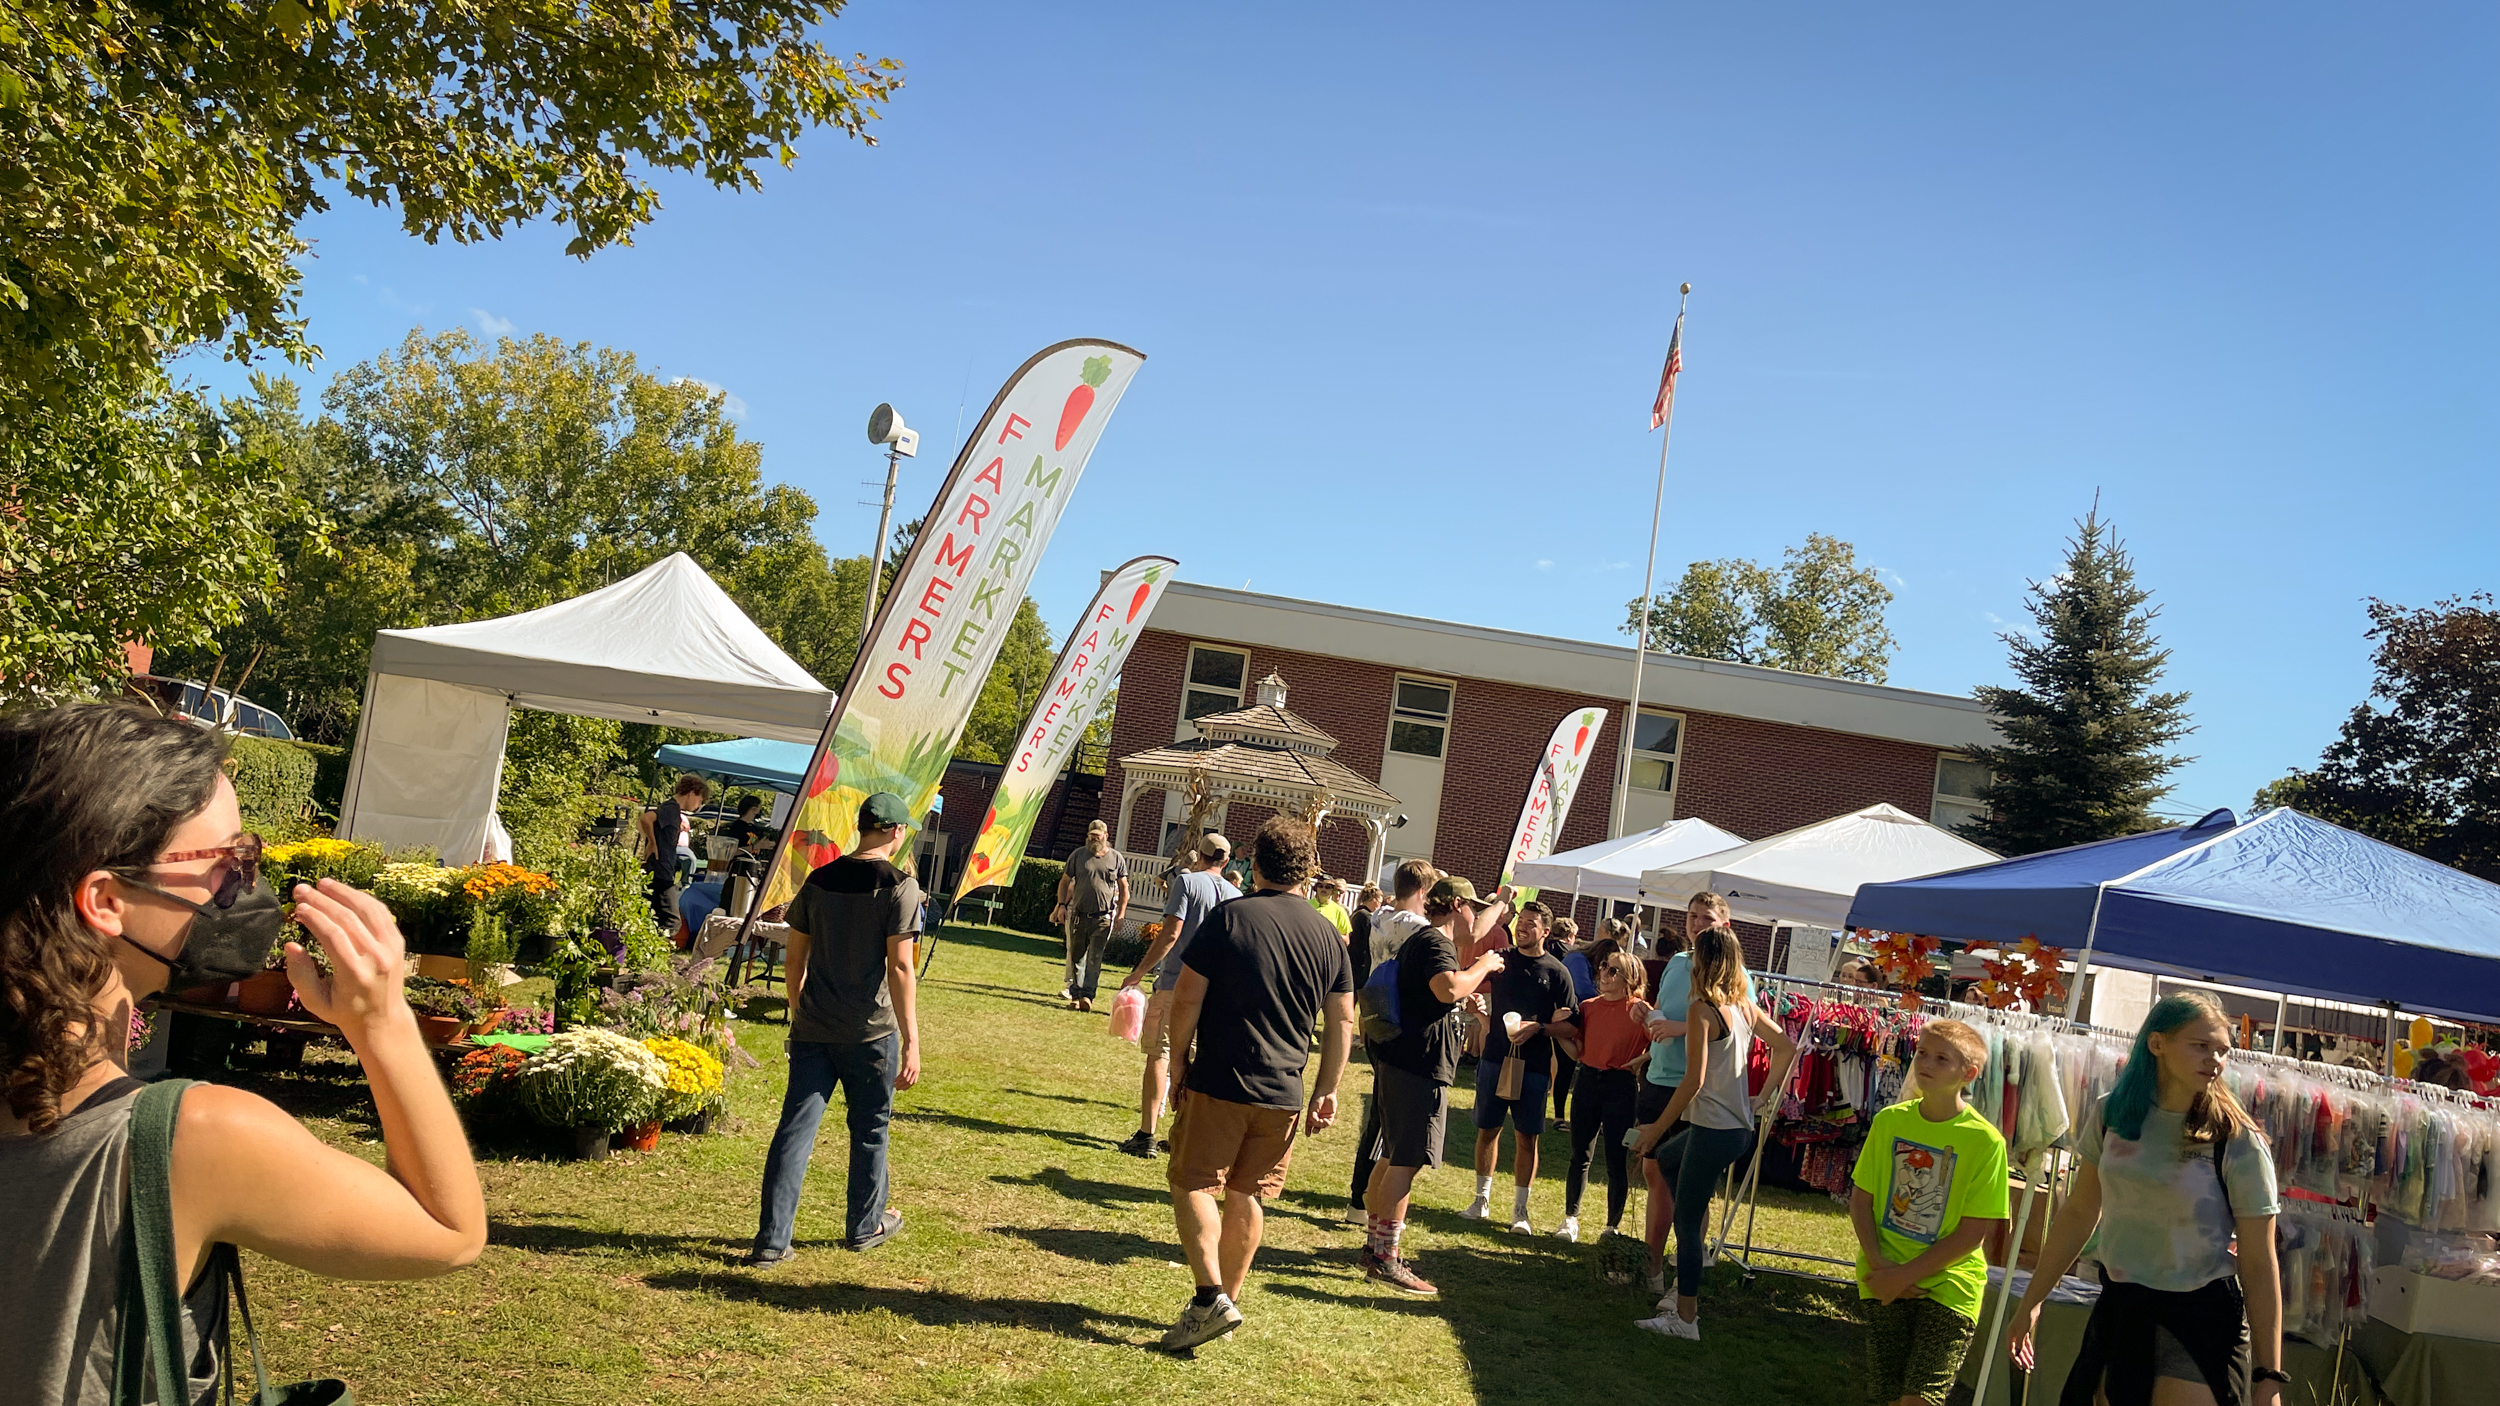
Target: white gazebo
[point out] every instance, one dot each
(664, 645)
(1264, 754)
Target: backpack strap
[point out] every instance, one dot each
(151, 1304)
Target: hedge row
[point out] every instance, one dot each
(273, 782)
(1035, 893)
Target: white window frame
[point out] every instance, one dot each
(1189, 670)
(1419, 717)
(1964, 809)
(1674, 759)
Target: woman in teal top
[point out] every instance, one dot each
(2172, 1170)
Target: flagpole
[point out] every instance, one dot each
(1649, 574)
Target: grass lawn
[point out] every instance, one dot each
(1038, 1264)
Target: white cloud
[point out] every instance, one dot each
(1992, 617)
(731, 405)
(1544, 564)
(490, 324)
(362, 281)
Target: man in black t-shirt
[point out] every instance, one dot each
(1258, 972)
(1412, 1073)
(1532, 1002)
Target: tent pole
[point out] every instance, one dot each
(2282, 1012)
(1991, 1340)
(2387, 1062)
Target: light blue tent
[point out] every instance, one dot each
(2282, 902)
(759, 761)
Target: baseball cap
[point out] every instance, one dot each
(1212, 846)
(883, 811)
(1096, 827)
(1453, 889)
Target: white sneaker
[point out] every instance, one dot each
(1198, 1325)
(1521, 1227)
(1569, 1230)
(1479, 1209)
(1356, 1215)
(1710, 1257)
(1666, 1324)
(1656, 1280)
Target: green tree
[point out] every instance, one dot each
(157, 160)
(129, 518)
(1818, 612)
(2419, 765)
(552, 764)
(2083, 754)
(1014, 684)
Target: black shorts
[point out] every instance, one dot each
(1414, 1117)
(1653, 1101)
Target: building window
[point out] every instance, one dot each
(1419, 718)
(1959, 780)
(1215, 677)
(1656, 743)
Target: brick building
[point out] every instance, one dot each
(1450, 719)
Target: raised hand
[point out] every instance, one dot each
(368, 958)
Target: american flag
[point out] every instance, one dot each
(1665, 405)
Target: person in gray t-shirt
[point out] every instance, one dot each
(1093, 897)
(853, 1021)
(1195, 893)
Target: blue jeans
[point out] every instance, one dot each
(866, 1074)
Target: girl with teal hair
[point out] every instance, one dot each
(2172, 1171)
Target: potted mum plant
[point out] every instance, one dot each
(444, 1009)
(594, 1082)
(694, 1084)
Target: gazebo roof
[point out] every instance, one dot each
(1270, 723)
(1272, 770)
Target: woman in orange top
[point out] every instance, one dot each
(1613, 1048)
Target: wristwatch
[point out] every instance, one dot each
(2270, 1374)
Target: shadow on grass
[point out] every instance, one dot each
(1028, 944)
(564, 1235)
(1067, 1098)
(1116, 1247)
(1108, 1195)
(1012, 993)
(927, 1307)
(985, 1125)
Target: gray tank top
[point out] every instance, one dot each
(1722, 1100)
(64, 1224)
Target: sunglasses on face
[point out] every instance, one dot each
(231, 882)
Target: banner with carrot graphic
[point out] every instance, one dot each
(1082, 679)
(1550, 791)
(939, 628)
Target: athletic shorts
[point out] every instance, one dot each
(1218, 1144)
(1414, 1117)
(1914, 1347)
(1653, 1101)
(1526, 1112)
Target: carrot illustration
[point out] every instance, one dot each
(1080, 400)
(825, 776)
(1137, 602)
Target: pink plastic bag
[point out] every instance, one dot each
(1128, 1013)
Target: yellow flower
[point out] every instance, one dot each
(691, 1069)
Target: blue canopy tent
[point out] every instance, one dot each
(761, 761)
(2284, 902)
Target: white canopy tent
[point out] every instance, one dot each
(1807, 877)
(1612, 868)
(664, 645)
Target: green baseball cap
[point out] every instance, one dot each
(883, 811)
(1453, 889)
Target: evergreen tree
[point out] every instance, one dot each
(2083, 754)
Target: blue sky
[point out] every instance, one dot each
(1404, 275)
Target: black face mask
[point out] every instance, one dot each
(221, 945)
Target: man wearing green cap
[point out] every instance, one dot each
(854, 1021)
(1412, 1073)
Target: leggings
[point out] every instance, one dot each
(1601, 1116)
(1565, 1070)
(1693, 1159)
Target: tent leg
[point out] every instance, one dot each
(2387, 1063)
(2013, 1251)
(2282, 1012)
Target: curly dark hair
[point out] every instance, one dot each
(83, 787)
(1284, 852)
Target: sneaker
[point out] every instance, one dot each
(1479, 1209)
(1139, 1144)
(1560, 1125)
(1394, 1272)
(1202, 1324)
(1569, 1231)
(761, 1258)
(1667, 1324)
(1357, 1215)
(892, 1222)
(1521, 1227)
(1084, 1005)
(1656, 1280)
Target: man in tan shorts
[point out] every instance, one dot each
(1257, 974)
(1195, 894)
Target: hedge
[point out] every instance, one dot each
(329, 775)
(273, 782)
(1036, 892)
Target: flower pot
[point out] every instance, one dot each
(643, 1138)
(489, 1023)
(590, 1144)
(440, 1029)
(264, 993)
(535, 948)
(693, 1124)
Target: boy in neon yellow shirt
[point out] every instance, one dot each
(1930, 1187)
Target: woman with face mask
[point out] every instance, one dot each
(125, 872)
